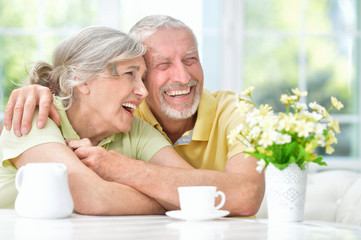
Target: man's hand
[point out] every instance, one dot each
(107, 164)
(21, 106)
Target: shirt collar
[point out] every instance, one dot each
(144, 112)
(203, 125)
(205, 116)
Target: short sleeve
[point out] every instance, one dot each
(12, 146)
(237, 146)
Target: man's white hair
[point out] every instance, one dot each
(149, 25)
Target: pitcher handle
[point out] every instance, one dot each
(223, 200)
(19, 178)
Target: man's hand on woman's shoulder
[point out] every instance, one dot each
(21, 106)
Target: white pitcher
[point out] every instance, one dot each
(43, 191)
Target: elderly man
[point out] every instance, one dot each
(193, 119)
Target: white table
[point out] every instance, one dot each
(162, 227)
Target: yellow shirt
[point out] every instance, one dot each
(206, 145)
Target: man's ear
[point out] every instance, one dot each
(83, 88)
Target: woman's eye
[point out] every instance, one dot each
(129, 73)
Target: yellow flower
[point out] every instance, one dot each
(264, 109)
(326, 114)
(334, 125)
(303, 128)
(267, 138)
(284, 99)
(287, 99)
(329, 149)
(248, 91)
(310, 147)
(336, 104)
(250, 149)
(316, 107)
(331, 138)
(243, 107)
(298, 93)
(313, 156)
(269, 152)
(232, 136)
(261, 149)
(286, 122)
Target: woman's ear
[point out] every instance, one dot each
(83, 88)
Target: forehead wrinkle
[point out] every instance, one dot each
(158, 57)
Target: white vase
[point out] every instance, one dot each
(286, 193)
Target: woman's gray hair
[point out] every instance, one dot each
(149, 25)
(83, 56)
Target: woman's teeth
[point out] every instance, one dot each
(129, 106)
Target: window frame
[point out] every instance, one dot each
(233, 55)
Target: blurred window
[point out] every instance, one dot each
(310, 44)
(274, 45)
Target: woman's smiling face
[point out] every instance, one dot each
(113, 99)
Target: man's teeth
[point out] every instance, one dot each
(129, 105)
(177, 93)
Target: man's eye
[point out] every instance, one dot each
(190, 61)
(163, 66)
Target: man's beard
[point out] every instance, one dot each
(190, 107)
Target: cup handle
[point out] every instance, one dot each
(223, 200)
(19, 178)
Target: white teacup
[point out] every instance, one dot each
(43, 191)
(200, 200)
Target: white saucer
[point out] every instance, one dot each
(178, 214)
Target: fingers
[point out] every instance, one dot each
(17, 115)
(46, 108)
(8, 115)
(27, 115)
(19, 111)
(76, 143)
(9, 110)
(53, 114)
(83, 152)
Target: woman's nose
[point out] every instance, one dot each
(140, 89)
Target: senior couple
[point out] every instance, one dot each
(98, 81)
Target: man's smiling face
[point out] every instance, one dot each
(175, 75)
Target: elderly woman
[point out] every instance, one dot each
(96, 77)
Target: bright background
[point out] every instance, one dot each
(274, 45)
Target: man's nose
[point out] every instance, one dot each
(180, 73)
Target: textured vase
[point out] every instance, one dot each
(286, 193)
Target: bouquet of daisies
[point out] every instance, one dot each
(287, 137)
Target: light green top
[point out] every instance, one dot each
(141, 143)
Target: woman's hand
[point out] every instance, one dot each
(74, 144)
